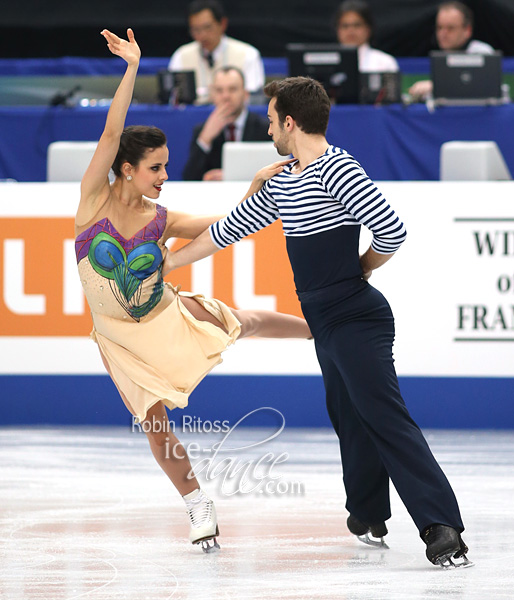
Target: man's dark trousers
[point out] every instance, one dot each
(353, 328)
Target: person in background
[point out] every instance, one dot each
(354, 27)
(229, 121)
(212, 49)
(453, 30)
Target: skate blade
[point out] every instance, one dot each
(206, 547)
(210, 548)
(365, 539)
(447, 563)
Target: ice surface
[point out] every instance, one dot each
(87, 513)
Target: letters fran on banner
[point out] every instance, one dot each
(489, 316)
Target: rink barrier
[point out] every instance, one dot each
(434, 402)
(451, 288)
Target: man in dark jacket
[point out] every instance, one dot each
(229, 121)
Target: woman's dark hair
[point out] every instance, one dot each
(357, 6)
(303, 99)
(135, 141)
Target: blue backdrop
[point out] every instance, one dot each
(392, 142)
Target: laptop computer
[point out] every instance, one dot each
(460, 78)
(333, 65)
(176, 87)
(241, 160)
(380, 88)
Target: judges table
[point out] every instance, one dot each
(392, 142)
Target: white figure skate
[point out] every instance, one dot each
(204, 525)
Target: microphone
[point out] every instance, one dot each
(61, 98)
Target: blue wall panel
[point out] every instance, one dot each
(434, 402)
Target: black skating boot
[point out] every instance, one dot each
(361, 530)
(443, 545)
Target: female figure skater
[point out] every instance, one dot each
(157, 344)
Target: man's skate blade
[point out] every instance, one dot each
(378, 543)
(448, 564)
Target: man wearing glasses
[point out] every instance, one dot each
(453, 30)
(212, 49)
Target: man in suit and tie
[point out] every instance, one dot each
(212, 49)
(229, 121)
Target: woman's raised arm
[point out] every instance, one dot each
(95, 183)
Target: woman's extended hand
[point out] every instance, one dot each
(264, 174)
(270, 171)
(128, 50)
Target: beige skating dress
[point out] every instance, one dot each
(154, 348)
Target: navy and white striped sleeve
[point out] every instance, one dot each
(255, 213)
(346, 181)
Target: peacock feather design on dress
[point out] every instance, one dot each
(126, 272)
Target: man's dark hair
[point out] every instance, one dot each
(227, 69)
(214, 6)
(135, 141)
(467, 13)
(304, 100)
(357, 6)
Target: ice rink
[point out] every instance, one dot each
(87, 513)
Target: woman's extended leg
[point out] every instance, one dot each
(261, 323)
(168, 451)
(265, 323)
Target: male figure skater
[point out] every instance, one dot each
(322, 198)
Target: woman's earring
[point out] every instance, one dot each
(129, 177)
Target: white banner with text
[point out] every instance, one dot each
(451, 285)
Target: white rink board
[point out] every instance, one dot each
(438, 270)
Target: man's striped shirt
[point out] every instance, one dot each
(330, 192)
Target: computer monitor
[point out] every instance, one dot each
(241, 160)
(335, 66)
(463, 78)
(381, 87)
(176, 87)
